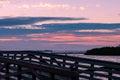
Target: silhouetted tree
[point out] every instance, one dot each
(104, 51)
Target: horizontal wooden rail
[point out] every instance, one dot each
(86, 68)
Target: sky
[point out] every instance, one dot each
(59, 24)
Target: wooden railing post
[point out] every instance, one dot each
(40, 58)
(8, 55)
(7, 70)
(33, 76)
(19, 69)
(109, 74)
(64, 61)
(75, 77)
(14, 56)
(76, 65)
(51, 61)
(91, 72)
(52, 76)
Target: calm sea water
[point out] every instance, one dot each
(106, 58)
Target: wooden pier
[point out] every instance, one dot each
(35, 65)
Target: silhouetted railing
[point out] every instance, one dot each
(71, 67)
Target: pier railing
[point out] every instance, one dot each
(78, 68)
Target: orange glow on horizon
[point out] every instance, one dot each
(10, 39)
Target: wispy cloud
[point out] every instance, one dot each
(32, 20)
(82, 8)
(50, 5)
(98, 30)
(3, 3)
(10, 39)
(65, 38)
(23, 27)
(25, 6)
(59, 36)
(74, 34)
(27, 27)
(44, 5)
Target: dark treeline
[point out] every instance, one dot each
(104, 51)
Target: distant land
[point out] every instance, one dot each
(112, 51)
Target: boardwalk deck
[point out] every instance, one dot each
(35, 65)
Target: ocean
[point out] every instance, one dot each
(105, 58)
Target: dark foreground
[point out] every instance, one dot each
(35, 65)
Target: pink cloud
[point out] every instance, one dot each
(10, 39)
(79, 40)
